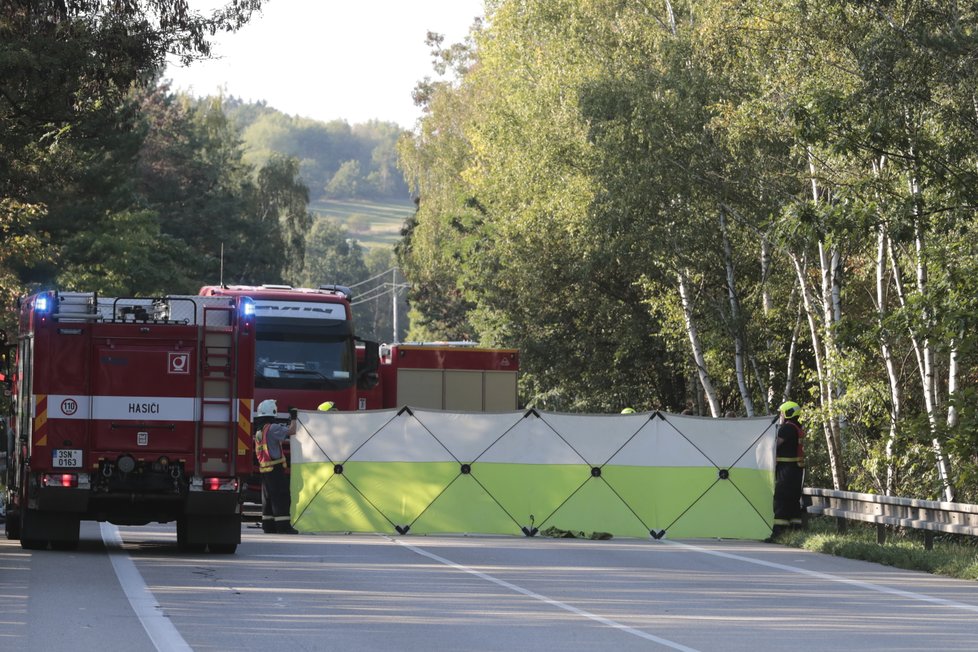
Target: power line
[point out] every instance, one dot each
(374, 290)
(373, 294)
(372, 278)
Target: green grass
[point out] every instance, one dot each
(374, 224)
(951, 556)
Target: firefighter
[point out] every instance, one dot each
(628, 410)
(326, 406)
(272, 464)
(789, 469)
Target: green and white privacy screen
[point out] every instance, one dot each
(413, 471)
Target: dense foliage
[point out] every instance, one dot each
(336, 160)
(720, 205)
(97, 192)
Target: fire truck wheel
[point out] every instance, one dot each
(12, 526)
(33, 544)
(183, 545)
(28, 531)
(223, 548)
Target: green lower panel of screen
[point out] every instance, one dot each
(488, 498)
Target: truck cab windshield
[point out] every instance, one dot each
(303, 354)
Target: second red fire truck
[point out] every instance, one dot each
(306, 353)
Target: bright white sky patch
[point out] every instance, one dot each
(330, 59)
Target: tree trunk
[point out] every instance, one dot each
(824, 344)
(829, 260)
(736, 326)
(891, 374)
(767, 306)
(697, 348)
(921, 345)
(789, 374)
(929, 378)
(839, 480)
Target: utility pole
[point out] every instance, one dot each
(394, 289)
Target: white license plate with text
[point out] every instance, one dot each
(66, 458)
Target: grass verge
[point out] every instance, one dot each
(951, 556)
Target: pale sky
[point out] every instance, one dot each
(355, 60)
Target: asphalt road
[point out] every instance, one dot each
(129, 589)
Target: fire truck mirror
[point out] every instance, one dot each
(367, 374)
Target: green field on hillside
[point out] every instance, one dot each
(373, 224)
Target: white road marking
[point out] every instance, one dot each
(869, 586)
(542, 598)
(159, 628)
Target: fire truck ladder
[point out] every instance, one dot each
(218, 415)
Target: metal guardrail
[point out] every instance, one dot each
(928, 515)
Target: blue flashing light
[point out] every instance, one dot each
(247, 307)
(42, 304)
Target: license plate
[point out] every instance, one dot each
(66, 458)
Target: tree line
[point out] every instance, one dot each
(718, 205)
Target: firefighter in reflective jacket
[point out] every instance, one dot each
(275, 495)
(789, 468)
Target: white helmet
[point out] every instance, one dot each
(267, 408)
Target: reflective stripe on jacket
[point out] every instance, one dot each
(265, 461)
(799, 456)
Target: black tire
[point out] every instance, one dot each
(223, 548)
(12, 526)
(32, 541)
(182, 544)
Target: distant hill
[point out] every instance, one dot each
(336, 159)
(372, 223)
(350, 170)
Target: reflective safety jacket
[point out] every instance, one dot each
(265, 449)
(792, 446)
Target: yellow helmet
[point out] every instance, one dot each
(628, 411)
(789, 409)
(325, 406)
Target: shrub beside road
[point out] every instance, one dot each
(951, 556)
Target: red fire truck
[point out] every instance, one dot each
(307, 353)
(130, 411)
